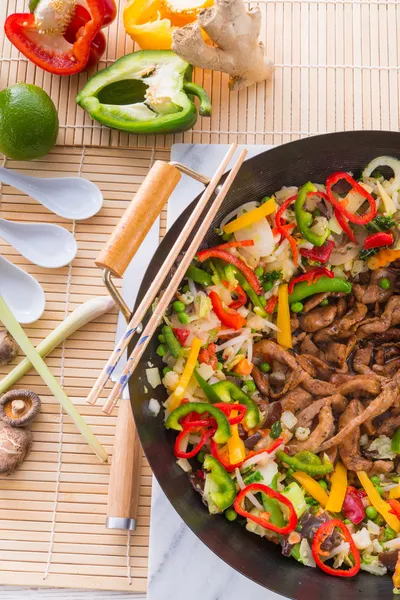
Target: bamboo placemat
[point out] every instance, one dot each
(52, 510)
(337, 67)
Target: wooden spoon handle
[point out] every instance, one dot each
(138, 218)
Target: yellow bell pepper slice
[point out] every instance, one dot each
(183, 382)
(381, 506)
(236, 447)
(251, 217)
(312, 487)
(284, 335)
(396, 574)
(394, 492)
(338, 489)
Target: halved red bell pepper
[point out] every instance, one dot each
(311, 276)
(232, 320)
(319, 253)
(324, 532)
(377, 240)
(233, 260)
(263, 519)
(352, 217)
(50, 49)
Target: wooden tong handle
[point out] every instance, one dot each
(138, 218)
(123, 490)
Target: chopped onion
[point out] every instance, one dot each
(153, 377)
(282, 247)
(288, 419)
(192, 288)
(250, 350)
(237, 341)
(343, 547)
(184, 464)
(341, 255)
(154, 406)
(385, 161)
(250, 496)
(262, 458)
(261, 233)
(393, 544)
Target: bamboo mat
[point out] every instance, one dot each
(52, 510)
(337, 67)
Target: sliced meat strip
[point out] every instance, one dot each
(341, 308)
(391, 335)
(362, 359)
(389, 318)
(261, 381)
(389, 427)
(295, 400)
(360, 386)
(388, 369)
(336, 354)
(307, 415)
(371, 293)
(317, 387)
(341, 328)
(323, 430)
(318, 318)
(307, 346)
(380, 467)
(315, 301)
(282, 362)
(315, 366)
(384, 401)
(349, 449)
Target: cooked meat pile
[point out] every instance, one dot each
(342, 379)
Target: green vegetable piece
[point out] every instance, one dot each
(265, 367)
(267, 286)
(384, 283)
(371, 512)
(300, 464)
(389, 533)
(395, 445)
(224, 493)
(166, 370)
(201, 456)
(172, 342)
(295, 494)
(254, 298)
(199, 276)
(250, 386)
(375, 479)
(263, 301)
(223, 432)
(297, 307)
(309, 458)
(323, 484)
(379, 520)
(178, 306)
(304, 219)
(273, 276)
(162, 350)
(259, 271)
(231, 514)
(219, 366)
(295, 553)
(208, 389)
(290, 472)
(303, 290)
(255, 477)
(380, 223)
(272, 506)
(230, 274)
(276, 430)
(347, 522)
(324, 302)
(149, 110)
(227, 391)
(183, 318)
(227, 236)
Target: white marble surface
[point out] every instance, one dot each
(180, 565)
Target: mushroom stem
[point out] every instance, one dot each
(17, 407)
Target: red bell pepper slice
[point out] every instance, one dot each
(241, 297)
(194, 418)
(352, 217)
(181, 334)
(287, 227)
(235, 261)
(376, 240)
(325, 531)
(310, 276)
(227, 465)
(353, 508)
(232, 320)
(263, 519)
(235, 244)
(206, 434)
(271, 303)
(23, 33)
(279, 222)
(344, 224)
(395, 506)
(319, 253)
(208, 356)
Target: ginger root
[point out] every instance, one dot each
(237, 50)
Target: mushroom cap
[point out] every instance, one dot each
(15, 445)
(19, 407)
(8, 348)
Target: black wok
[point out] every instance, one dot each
(291, 164)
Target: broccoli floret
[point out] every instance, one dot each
(380, 223)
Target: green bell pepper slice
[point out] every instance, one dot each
(271, 505)
(303, 290)
(224, 493)
(395, 444)
(307, 464)
(223, 433)
(208, 389)
(145, 92)
(198, 275)
(255, 299)
(304, 219)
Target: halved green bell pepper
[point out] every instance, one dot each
(223, 432)
(145, 92)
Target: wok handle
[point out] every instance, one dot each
(124, 485)
(138, 218)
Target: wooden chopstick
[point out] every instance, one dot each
(153, 290)
(170, 291)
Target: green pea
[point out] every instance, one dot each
(251, 386)
(323, 484)
(183, 318)
(178, 306)
(380, 490)
(371, 512)
(290, 472)
(384, 283)
(389, 533)
(166, 370)
(347, 522)
(265, 367)
(324, 302)
(161, 338)
(201, 456)
(267, 286)
(259, 271)
(379, 520)
(375, 480)
(297, 307)
(219, 366)
(162, 350)
(230, 514)
(263, 300)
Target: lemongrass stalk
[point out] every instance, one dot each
(15, 329)
(87, 312)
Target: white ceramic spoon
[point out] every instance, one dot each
(23, 294)
(69, 197)
(45, 245)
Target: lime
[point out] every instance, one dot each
(28, 122)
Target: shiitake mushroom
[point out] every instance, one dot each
(8, 348)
